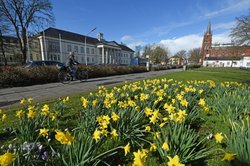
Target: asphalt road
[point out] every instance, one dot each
(11, 96)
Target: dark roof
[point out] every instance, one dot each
(222, 58)
(53, 32)
(125, 48)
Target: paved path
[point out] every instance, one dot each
(11, 96)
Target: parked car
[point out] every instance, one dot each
(43, 63)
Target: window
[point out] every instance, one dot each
(87, 50)
(68, 48)
(93, 59)
(53, 46)
(248, 64)
(76, 48)
(82, 49)
(92, 51)
(87, 58)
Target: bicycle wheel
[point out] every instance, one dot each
(82, 75)
(64, 77)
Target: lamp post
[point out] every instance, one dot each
(86, 47)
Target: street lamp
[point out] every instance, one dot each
(86, 47)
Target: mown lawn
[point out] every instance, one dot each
(215, 74)
(211, 123)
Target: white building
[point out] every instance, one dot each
(56, 44)
(242, 61)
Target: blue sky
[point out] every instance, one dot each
(175, 24)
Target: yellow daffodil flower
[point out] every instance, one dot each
(44, 132)
(202, 102)
(30, 100)
(114, 133)
(6, 159)
(4, 117)
(84, 102)
(94, 103)
(184, 102)
(148, 111)
(153, 148)
(20, 113)
(31, 114)
(45, 110)
(165, 146)
(162, 124)
(97, 135)
(127, 149)
(115, 117)
(64, 138)
(218, 137)
(175, 161)
(153, 119)
(140, 158)
(229, 156)
(22, 101)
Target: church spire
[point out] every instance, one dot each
(209, 28)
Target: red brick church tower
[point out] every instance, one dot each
(206, 43)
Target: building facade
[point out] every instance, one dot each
(222, 55)
(11, 51)
(176, 60)
(56, 44)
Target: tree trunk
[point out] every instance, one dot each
(24, 45)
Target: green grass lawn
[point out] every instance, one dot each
(215, 74)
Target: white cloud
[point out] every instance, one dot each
(221, 38)
(131, 42)
(192, 41)
(182, 43)
(225, 25)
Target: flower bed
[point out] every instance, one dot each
(151, 122)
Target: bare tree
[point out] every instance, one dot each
(147, 50)
(160, 54)
(194, 55)
(157, 53)
(241, 32)
(182, 54)
(25, 15)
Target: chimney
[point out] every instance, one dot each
(100, 36)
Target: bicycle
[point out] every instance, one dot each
(65, 76)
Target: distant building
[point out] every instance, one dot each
(176, 60)
(11, 50)
(138, 61)
(222, 55)
(55, 44)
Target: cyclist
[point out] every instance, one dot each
(70, 64)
